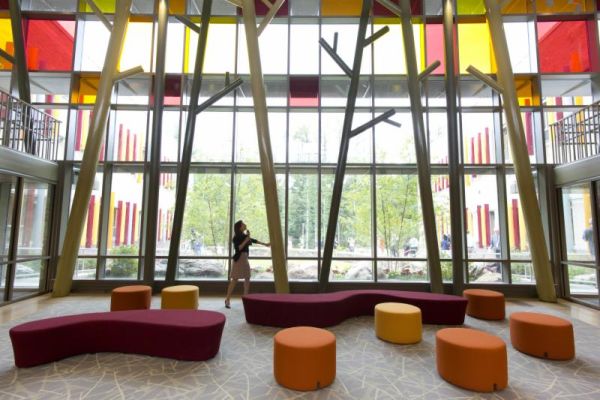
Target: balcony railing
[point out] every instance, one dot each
(27, 129)
(577, 136)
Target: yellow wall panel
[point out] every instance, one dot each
(470, 7)
(517, 7)
(511, 225)
(6, 42)
(85, 90)
(564, 6)
(341, 8)
(176, 6)
(475, 47)
(111, 220)
(106, 6)
(527, 91)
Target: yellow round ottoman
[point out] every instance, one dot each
(304, 358)
(398, 323)
(179, 297)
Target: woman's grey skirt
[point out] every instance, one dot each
(240, 269)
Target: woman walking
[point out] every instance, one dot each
(240, 267)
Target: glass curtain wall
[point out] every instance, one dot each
(579, 261)
(25, 221)
(380, 229)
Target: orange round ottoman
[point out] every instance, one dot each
(542, 335)
(471, 359)
(485, 304)
(133, 297)
(304, 358)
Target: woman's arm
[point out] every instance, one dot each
(245, 242)
(263, 243)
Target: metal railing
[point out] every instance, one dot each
(27, 129)
(577, 136)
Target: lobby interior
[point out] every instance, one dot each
(126, 161)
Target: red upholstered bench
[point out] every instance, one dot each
(191, 335)
(328, 309)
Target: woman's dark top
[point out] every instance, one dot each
(237, 241)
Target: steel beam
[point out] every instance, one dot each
(372, 123)
(99, 14)
(516, 138)
(152, 179)
(28, 165)
(87, 173)
(264, 148)
(21, 72)
(333, 53)
(189, 23)
(183, 174)
(454, 172)
(340, 170)
(16, 22)
(273, 8)
(7, 56)
(219, 95)
(420, 138)
(429, 70)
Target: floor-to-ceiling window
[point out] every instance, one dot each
(579, 265)
(25, 220)
(379, 232)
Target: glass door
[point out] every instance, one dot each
(579, 261)
(24, 230)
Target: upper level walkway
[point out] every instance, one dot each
(577, 136)
(26, 129)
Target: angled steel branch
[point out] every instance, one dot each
(152, 173)
(273, 8)
(516, 137)
(99, 14)
(7, 56)
(340, 170)
(237, 3)
(485, 79)
(427, 71)
(20, 62)
(376, 35)
(420, 138)
(219, 95)
(333, 53)
(264, 148)
(183, 174)
(129, 73)
(454, 173)
(89, 163)
(368, 125)
(188, 22)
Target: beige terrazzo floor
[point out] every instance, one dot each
(367, 368)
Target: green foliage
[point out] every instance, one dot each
(446, 271)
(207, 211)
(302, 212)
(398, 211)
(354, 219)
(250, 204)
(123, 267)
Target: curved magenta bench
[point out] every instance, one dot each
(328, 309)
(191, 335)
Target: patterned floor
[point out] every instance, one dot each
(367, 368)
